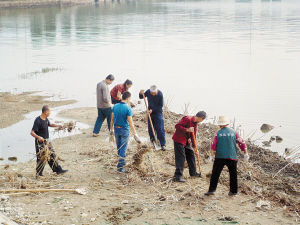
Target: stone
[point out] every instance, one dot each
(265, 128)
(4, 197)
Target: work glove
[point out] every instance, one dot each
(246, 157)
(137, 139)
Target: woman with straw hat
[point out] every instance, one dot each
(224, 150)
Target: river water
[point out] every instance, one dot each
(238, 58)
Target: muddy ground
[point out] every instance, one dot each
(147, 194)
(14, 107)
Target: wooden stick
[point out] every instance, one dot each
(149, 116)
(38, 190)
(196, 150)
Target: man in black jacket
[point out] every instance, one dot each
(155, 108)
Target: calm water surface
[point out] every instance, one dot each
(239, 58)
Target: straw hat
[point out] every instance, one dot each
(223, 120)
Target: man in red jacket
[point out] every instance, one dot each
(182, 145)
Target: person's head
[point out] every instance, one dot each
(153, 90)
(127, 84)
(223, 121)
(200, 116)
(126, 96)
(46, 110)
(109, 79)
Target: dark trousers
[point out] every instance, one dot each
(114, 101)
(40, 158)
(103, 113)
(217, 169)
(181, 153)
(158, 124)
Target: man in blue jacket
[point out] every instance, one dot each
(155, 108)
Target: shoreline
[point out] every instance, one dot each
(15, 4)
(13, 108)
(147, 193)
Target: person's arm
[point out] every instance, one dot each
(141, 94)
(214, 147)
(112, 124)
(241, 143)
(55, 125)
(34, 129)
(105, 93)
(33, 134)
(182, 125)
(146, 93)
(131, 124)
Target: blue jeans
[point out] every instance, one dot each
(103, 113)
(158, 124)
(122, 139)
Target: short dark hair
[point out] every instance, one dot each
(201, 114)
(110, 77)
(45, 108)
(127, 82)
(126, 95)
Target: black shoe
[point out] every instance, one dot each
(179, 179)
(232, 194)
(196, 175)
(209, 193)
(61, 172)
(163, 148)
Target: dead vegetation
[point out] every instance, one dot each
(258, 179)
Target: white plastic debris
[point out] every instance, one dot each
(263, 204)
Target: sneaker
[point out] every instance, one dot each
(122, 170)
(232, 194)
(163, 148)
(61, 172)
(95, 135)
(179, 179)
(209, 193)
(196, 175)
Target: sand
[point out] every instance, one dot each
(146, 195)
(14, 107)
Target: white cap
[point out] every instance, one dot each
(153, 88)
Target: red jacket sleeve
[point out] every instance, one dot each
(214, 145)
(182, 124)
(241, 142)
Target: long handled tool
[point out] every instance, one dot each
(156, 143)
(80, 191)
(196, 150)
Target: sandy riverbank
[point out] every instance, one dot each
(147, 195)
(14, 107)
(6, 4)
